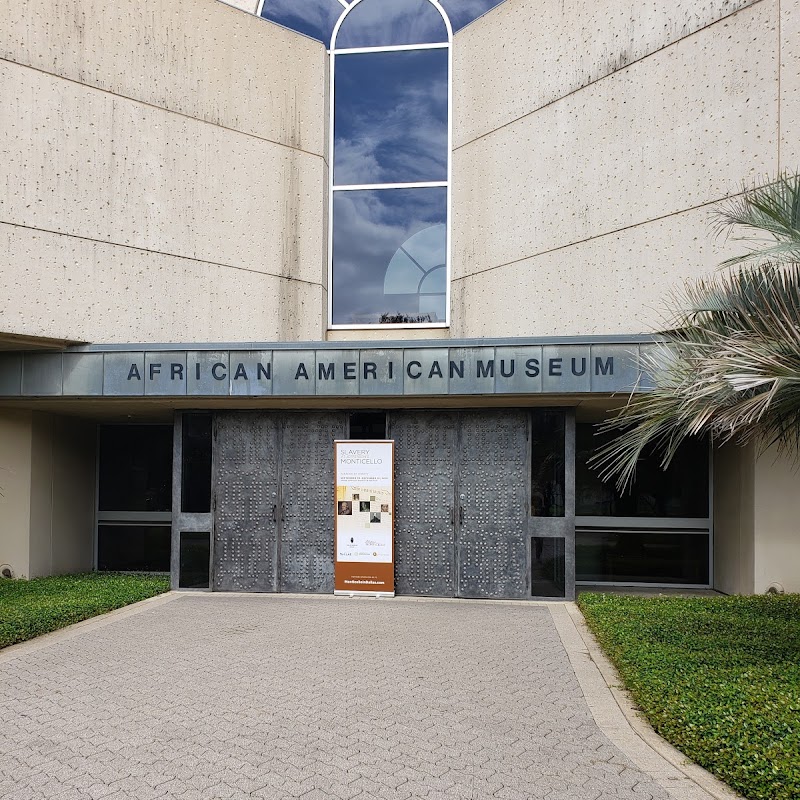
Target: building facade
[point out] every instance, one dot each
(226, 244)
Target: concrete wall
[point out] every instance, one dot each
(47, 469)
(15, 490)
(590, 140)
(163, 173)
(62, 495)
(734, 531)
(777, 523)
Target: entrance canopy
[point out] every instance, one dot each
(326, 369)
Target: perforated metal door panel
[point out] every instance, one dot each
(245, 483)
(306, 543)
(425, 453)
(491, 538)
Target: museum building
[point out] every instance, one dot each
(235, 233)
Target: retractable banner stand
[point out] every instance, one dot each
(364, 540)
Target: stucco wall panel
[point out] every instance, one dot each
(611, 284)
(105, 293)
(777, 522)
(73, 480)
(790, 85)
(15, 490)
(734, 541)
(87, 163)
(249, 6)
(203, 59)
(682, 127)
(41, 498)
(527, 53)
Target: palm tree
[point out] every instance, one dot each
(728, 365)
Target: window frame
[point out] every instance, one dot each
(333, 51)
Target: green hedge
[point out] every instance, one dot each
(30, 608)
(719, 678)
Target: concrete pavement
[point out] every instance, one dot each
(203, 697)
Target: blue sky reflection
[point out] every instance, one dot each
(316, 18)
(391, 117)
(376, 23)
(369, 228)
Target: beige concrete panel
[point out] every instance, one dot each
(41, 536)
(790, 85)
(777, 522)
(612, 284)
(250, 6)
(734, 544)
(200, 58)
(91, 291)
(682, 127)
(84, 162)
(15, 490)
(527, 53)
(74, 483)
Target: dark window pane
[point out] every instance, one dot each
(680, 491)
(314, 18)
(368, 425)
(196, 466)
(133, 548)
(641, 557)
(462, 12)
(389, 246)
(547, 463)
(391, 118)
(547, 567)
(375, 23)
(195, 559)
(135, 468)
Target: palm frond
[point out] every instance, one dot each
(729, 368)
(769, 220)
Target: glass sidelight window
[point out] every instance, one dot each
(195, 560)
(548, 474)
(134, 498)
(658, 532)
(196, 463)
(681, 491)
(135, 468)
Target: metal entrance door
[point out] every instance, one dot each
(245, 496)
(492, 533)
(273, 501)
(461, 495)
(426, 443)
(306, 540)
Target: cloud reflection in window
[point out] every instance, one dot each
(377, 23)
(389, 253)
(391, 117)
(317, 18)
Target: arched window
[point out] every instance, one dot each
(390, 165)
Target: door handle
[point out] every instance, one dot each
(452, 515)
(283, 512)
(274, 513)
(461, 515)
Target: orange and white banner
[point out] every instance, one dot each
(364, 528)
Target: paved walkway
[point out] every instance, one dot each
(211, 696)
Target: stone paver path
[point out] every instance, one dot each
(282, 697)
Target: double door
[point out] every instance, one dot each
(272, 500)
(461, 503)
